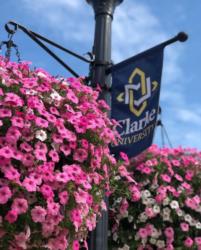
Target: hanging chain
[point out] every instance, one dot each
(9, 45)
(164, 133)
(17, 52)
(167, 136)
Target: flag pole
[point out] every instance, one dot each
(103, 10)
(180, 37)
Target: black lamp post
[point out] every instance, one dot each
(104, 10)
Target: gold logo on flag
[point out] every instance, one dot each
(145, 87)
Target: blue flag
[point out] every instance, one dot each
(135, 100)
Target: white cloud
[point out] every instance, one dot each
(191, 138)
(68, 19)
(135, 29)
(189, 116)
(41, 4)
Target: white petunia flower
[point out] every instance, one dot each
(144, 241)
(117, 178)
(137, 237)
(198, 225)
(166, 201)
(119, 200)
(146, 194)
(174, 204)
(152, 241)
(198, 209)
(130, 218)
(41, 135)
(154, 187)
(145, 182)
(166, 217)
(30, 92)
(125, 215)
(155, 233)
(98, 193)
(143, 217)
(160, 244)
(145, 201)
(126, 247)
(193, 222)
(166, 210)
(156, 209)
(188, 218)
(151, 201)
(40, 74)
(115, 236)
(180, 212)
(3, 81)
(55, 95)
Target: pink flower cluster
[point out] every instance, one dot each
(54, 159)
(163, 210)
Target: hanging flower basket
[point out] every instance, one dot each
(162, 211)
(54, 159)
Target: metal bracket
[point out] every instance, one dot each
(37, 38)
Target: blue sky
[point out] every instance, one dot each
(137, 26)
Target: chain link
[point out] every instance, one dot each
(9, 45)
(1, 45)
(17, 52)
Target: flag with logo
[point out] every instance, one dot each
(135, 100)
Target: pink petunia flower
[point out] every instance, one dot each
(47, 191)
(62, 177)
(166, 178)
(76, 245)
(188, 242)
(26, 147)
(169, 232)
(75, 217)
(124, 157)
(142, 233)
(65, 149)
(38, 214)
(54, 155)
(6, 152)
(20, 205)
(12, 174)
(54, 111)
(149, 212)
(14, 100)
(63, 197)
(5, 113)
(198, 240)
(53, 207)
(123, 207)
(40, 122)
(17, 121)
(184, 227)
(40, 155)
(5, 194)
(22, 238)
(28, 159)
(80, 155)
(29, 184)
(11, 216)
